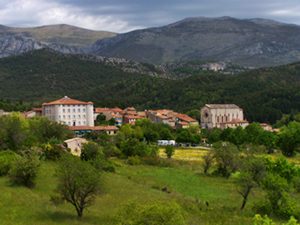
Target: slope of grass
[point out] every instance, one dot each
(205, 199)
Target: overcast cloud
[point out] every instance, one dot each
(126, 15)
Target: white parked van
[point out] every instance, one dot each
(166, 142)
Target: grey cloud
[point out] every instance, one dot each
(132, 14)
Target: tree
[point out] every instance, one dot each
(289, 138)
(101, 120)
(170, 150)
(227, 158)
(214, 135)
(24, 170)
(43, 130)
(208, 161)
(78, 183)
(14, 132)
(133, 147)
(252, 174)
(90, 151)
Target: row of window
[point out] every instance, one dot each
(78, 123)
(74, 116)
(225, 118)
(73, 110)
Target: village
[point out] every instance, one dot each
(82, 118)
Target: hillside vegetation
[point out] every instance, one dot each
(38, 76)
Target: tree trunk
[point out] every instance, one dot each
(245, 198)
(79, 211)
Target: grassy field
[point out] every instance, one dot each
(184, 181)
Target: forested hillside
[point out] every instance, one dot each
(43, 75)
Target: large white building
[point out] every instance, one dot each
(70, 112)
(222, 116)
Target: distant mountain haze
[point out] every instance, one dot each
(246, 42)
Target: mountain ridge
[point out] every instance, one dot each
(247, 42)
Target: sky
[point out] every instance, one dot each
(126, 15)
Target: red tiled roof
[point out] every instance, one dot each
(96, 128)
(101, 110)
(185, 118)
(67, 101)
(133, 117)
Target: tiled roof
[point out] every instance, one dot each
(67, 101)
(96, 128)
(185, 118)
(133, 117)
(101, 110)
(222, 106)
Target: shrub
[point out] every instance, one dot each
(296, 183)
(24, 171)
(259, 220)
(166, 213)
(7, 158)
(170, 150)
(133, 147)
(100, 163)
(91, 151)
(111, 150)
(134, 160)
(52, 152)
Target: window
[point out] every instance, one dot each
(74, 110)
(83, 109)
(69, 110)
(64, 110)
(78, 110)
(64, 116)
(79, 116)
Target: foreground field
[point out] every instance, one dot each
(205, 200)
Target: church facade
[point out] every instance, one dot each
(222, 116)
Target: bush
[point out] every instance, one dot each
(52, 152)
(100, 163)
(24, 171)
(170, 150)
(111, 150)
(296, 183)
(91, 151)
(133, 147)
(259, 220)
(157, 161)
(166, 213)
(7, 158)
(134, 160)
